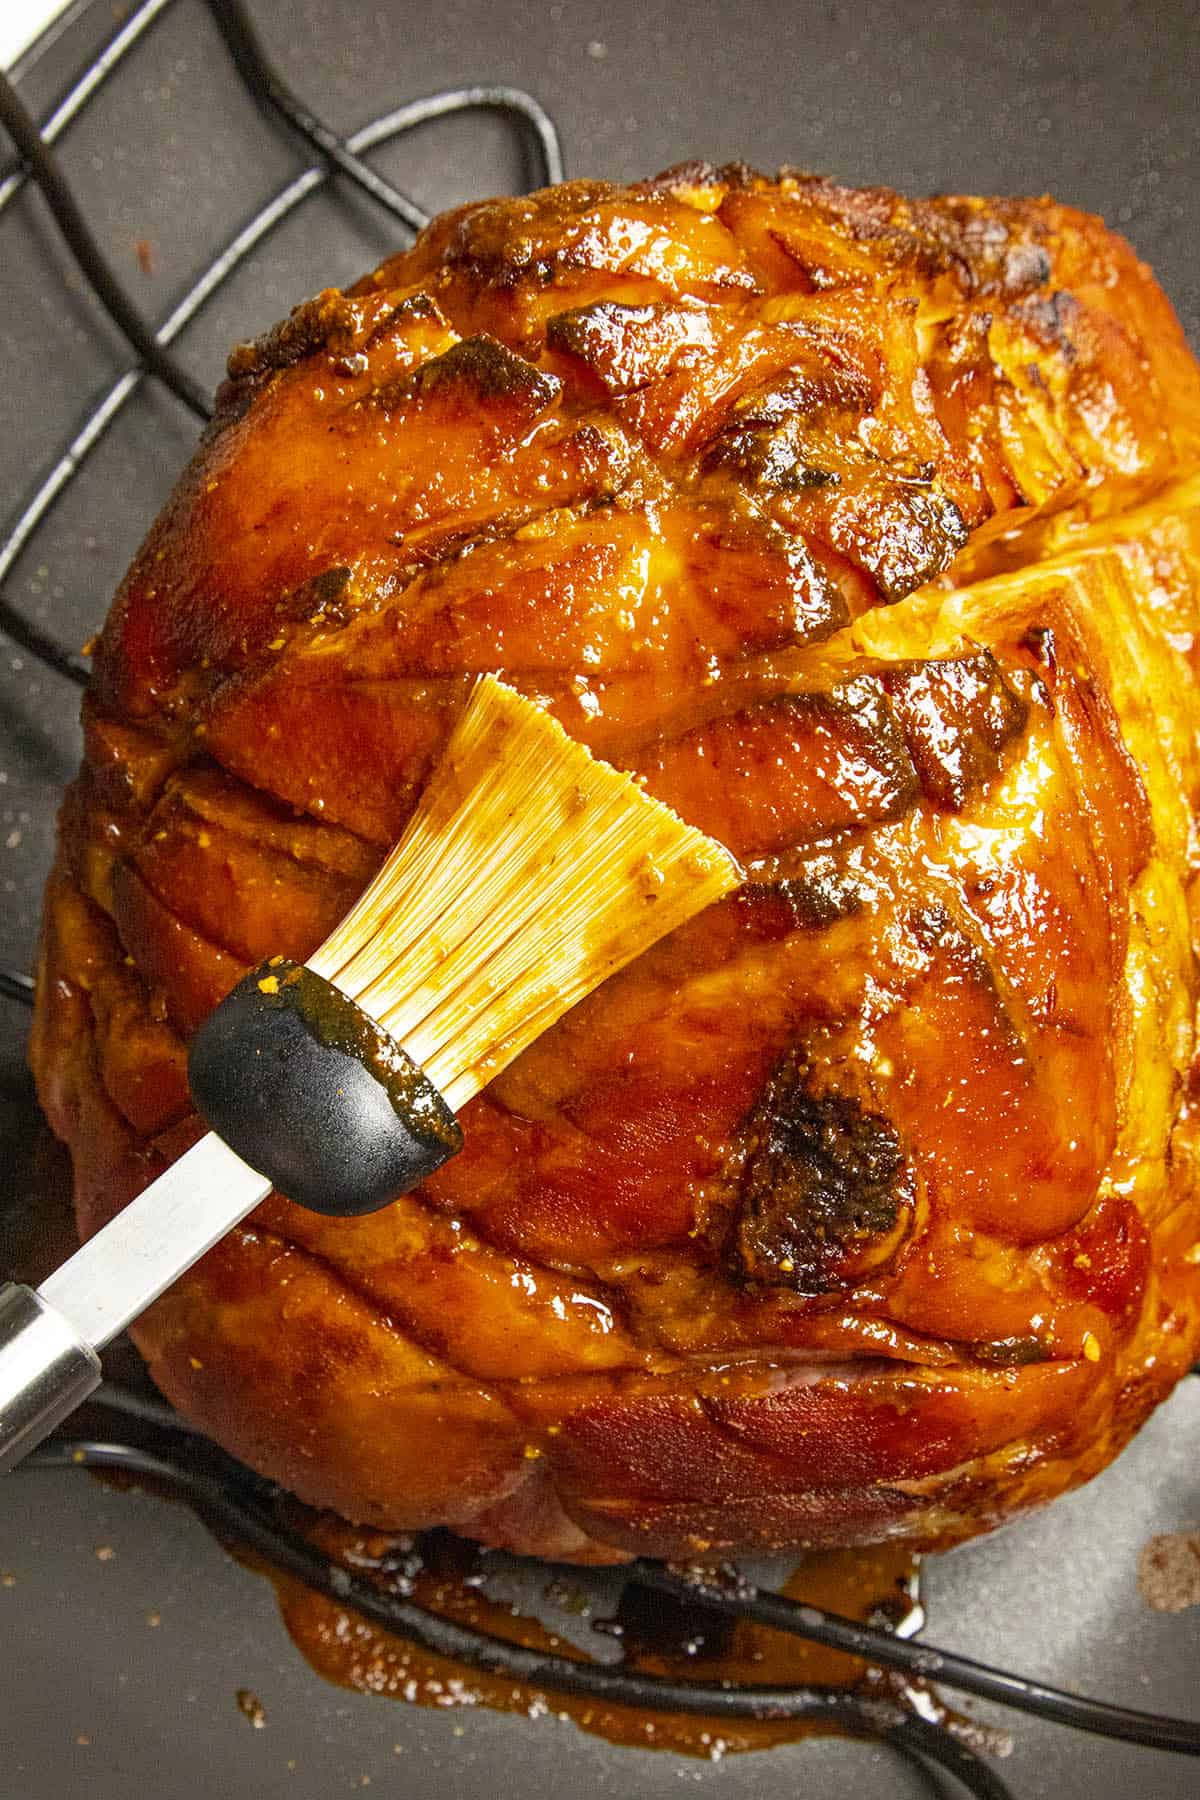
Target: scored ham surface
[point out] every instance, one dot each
(868, 532)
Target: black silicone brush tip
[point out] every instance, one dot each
(309, 1091)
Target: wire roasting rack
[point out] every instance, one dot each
(162, 1448)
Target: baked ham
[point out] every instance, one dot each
(867, 531)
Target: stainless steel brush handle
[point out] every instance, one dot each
(46, 1370)
(325, 1107)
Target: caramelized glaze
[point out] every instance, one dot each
(866, 531)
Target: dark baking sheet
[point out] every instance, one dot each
(1093, 101)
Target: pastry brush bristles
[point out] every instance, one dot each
(528, 873)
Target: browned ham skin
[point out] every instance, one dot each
(867, 531)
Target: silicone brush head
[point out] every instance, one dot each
(529, 872)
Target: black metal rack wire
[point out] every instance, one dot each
(168, 1452)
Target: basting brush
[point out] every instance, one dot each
(529, 872)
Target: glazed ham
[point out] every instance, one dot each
(867, 531)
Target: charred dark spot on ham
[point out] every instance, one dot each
(793, 447)
(781, 774)
(1010, 1352)
(323, 598)
(823, 1194)
(781, 437)
(478, 372)
(957, 716)
(1052, 320)
(901, 531)
(991, 253)
(485, 369)
(697, 172)
(626, 347)
(307, 328)
(804, 892)
(775, 461)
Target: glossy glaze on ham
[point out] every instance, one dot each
(868, 531)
